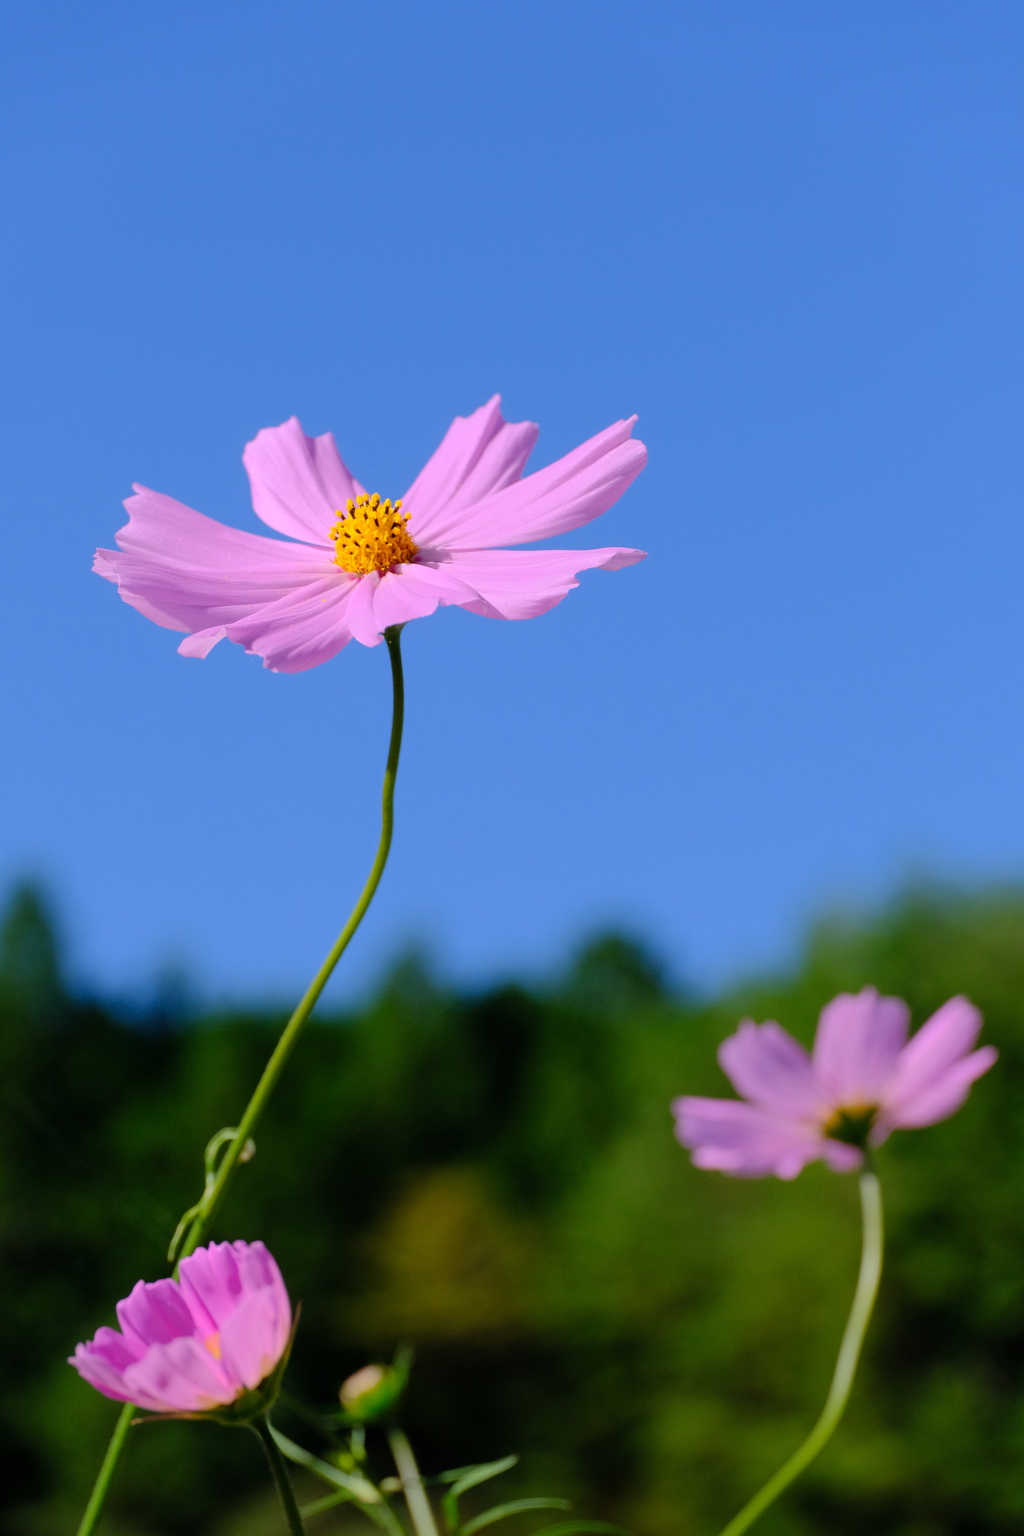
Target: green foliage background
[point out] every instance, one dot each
(493, 1179)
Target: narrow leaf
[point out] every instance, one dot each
(356, 1487)
(481, 1474)
(458, 1473)
(513, 1507)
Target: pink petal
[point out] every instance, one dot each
(934, 1071)
(186, 571)
(113, 1346)
(937, 1096)
(298, 483)
(940, 1042)
(767, 1066)
(179, 1377)
(840, 1156)
(301, 629)
(259, 1273)
(211, 1283)
(154, 1313)
(742, 1140)
(566, 495)
(252, 1340)
(857, 1045)
(403, 593)
(95, 1367)
(520, 583)
(479, 454)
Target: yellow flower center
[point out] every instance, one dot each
(213, 1345)
(370, 535)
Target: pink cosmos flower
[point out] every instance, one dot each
(198, 1344)
(863, 1080)
(363, 564)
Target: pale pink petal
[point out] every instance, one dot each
(211, 1284)
(522, 583)
(253, 1338)
(301, 629)
(299, 483)
(113, 1346)
(569, 493)
(858, 1043)
(405, 592)
(180, 1377)
(478, 455)
(259, 1272)
(187, 572)
(202, 642)
(100, 1372)
(767, 1066)
(940, 1042)
(840, 1156)
(938, 1098)
(742, 1140)
(154, 1313)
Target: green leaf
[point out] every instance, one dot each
(513, 1507)
(473, 1475)
(358, 1488)
(468, 1477)
(458, 1473)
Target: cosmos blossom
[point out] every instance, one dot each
(863, 1080)
(198, 1344)
(363, 564)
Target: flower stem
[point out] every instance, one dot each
(846, 1364)
(281, 1479)
(282, 1050)
(412, 1484)
(107, 1470)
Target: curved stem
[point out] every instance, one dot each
(281, 1479)
(283, 1049)
(846, 1364)
(286, 1044)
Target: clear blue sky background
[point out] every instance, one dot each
(789, 235)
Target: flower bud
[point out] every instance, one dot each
(372, 1392)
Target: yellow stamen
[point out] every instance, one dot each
(213, 1345)
(370, 535)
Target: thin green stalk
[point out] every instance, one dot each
(846, 1365)
(107, 1470)
(412, 1484)
(283, 1049)
(281, 1479)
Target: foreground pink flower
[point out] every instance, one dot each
(363, 564)
(863, 1080)
(197, 1345)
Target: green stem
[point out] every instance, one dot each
(106, 1473)
(846, 1365)
(281, 1052)
(292, 1030)
(412, 1484)
(281, 1479)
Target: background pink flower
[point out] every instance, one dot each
(862, 1081)
(362, 564)
(196, 1345)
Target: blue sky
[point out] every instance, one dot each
(788, 235)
